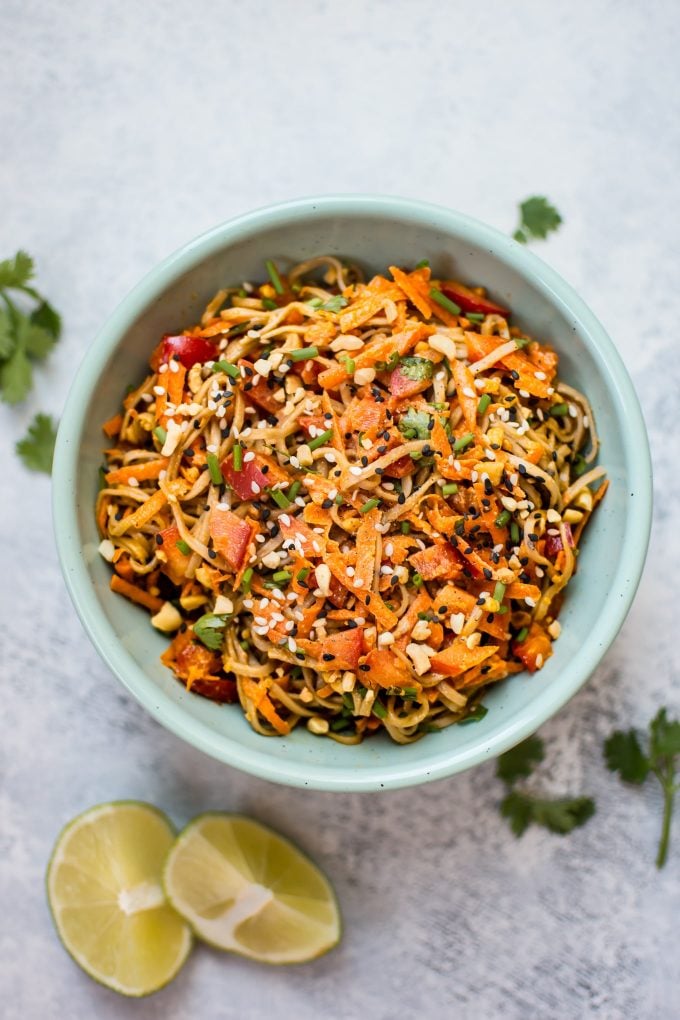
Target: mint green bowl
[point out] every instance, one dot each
(376, 231)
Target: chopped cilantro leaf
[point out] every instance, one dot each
(415, 424)
(210, 630)
(416, 368)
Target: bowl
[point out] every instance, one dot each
(376, 232)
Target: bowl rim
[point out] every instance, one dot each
(259, 762)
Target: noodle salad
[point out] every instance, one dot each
(353, 505)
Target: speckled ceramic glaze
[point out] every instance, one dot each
(376, 232)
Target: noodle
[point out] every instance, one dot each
(352, 503)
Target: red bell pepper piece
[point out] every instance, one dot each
(242, 481)
(230, 535)
(345, 647)
(259, 393)
(553, 543)
(468, 301)
(400, 468)
(402, 386)
(190, 350)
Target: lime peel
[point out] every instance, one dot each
(107, 903)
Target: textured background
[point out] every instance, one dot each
(128, 128)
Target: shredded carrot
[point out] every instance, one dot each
(136, 594)
(143, 472)
(113, 425)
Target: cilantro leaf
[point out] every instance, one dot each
(210, 630)
(624, 755)
(560, 816)
(47, 318)
(415, 424)
(35, 340)
(16, 377)
(16, 272)
(36, 449)
(475, 715)
(664, 735)
(538, 218)
(416, 368)
(520, 760)
(7, 337)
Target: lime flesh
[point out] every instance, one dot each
(245, 889)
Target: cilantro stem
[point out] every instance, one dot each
(669, 788)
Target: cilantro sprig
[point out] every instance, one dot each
(560, 815)
(26, 336)
(624, 754)
(537, 219)
(36, 449)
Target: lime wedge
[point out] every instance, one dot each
(105, 894)
(245, 889)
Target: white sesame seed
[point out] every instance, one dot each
(530, 602)
(254, 487)
(355, 470)
(174, 366)
(540, 375)
(133, 482)
(159, 391)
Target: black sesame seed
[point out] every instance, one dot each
(212, 554)
(327, 657)
(364, 667)
(327, 504)
(487, 573)
(401, 498)
(441, 610)
(264, 469)
(159, 540)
